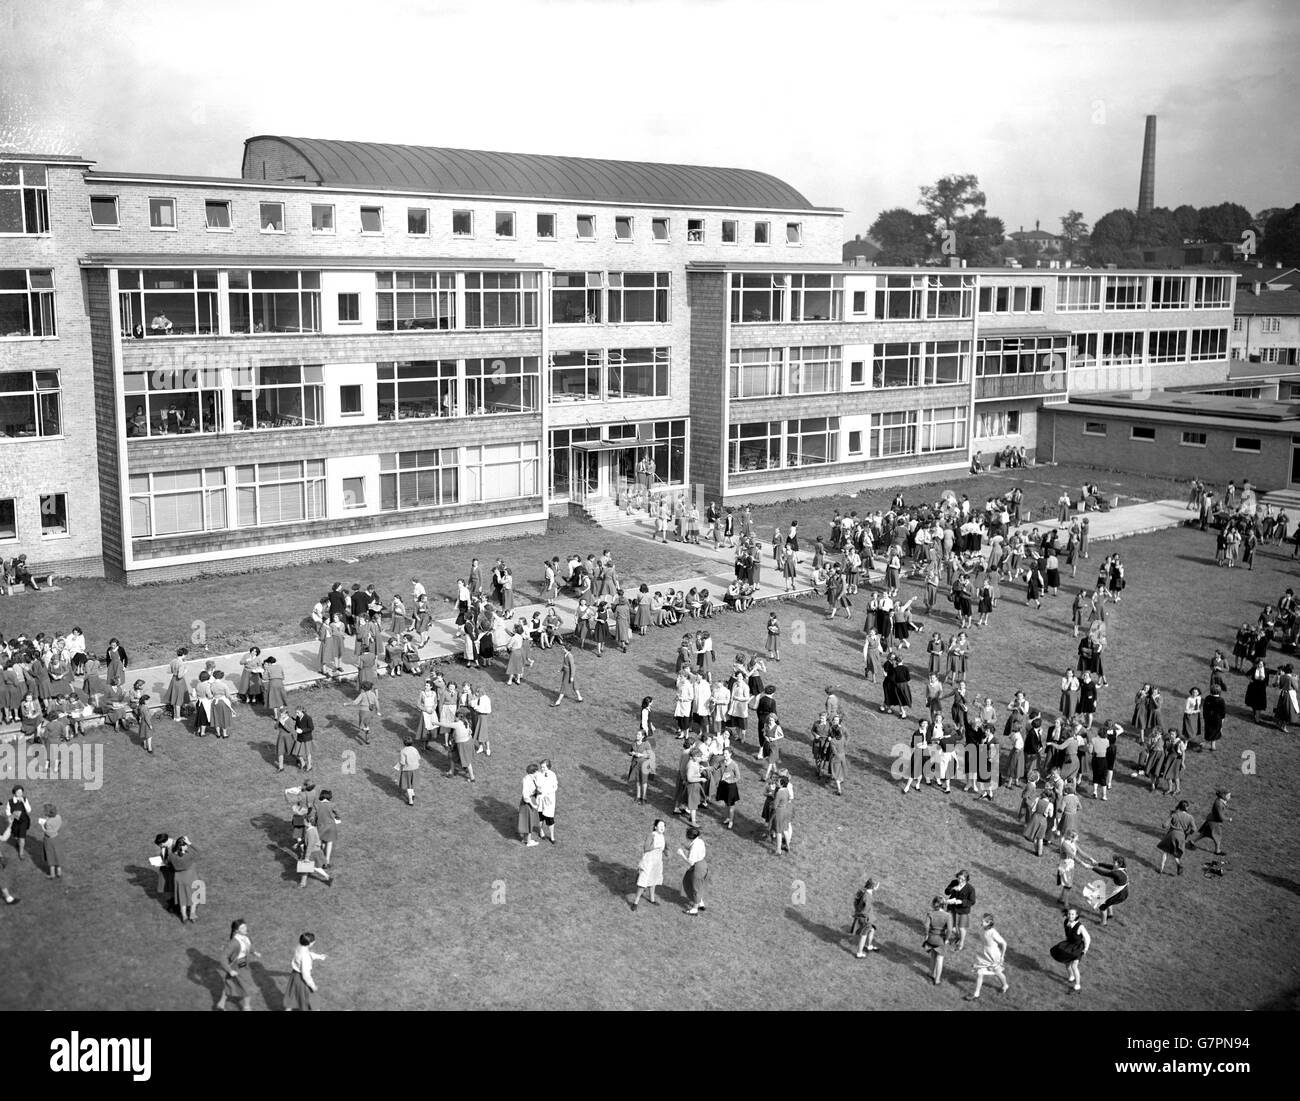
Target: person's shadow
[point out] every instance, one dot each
(500, 815)
(264, 979)
(146, 878)
(826, 933)
(616, 878)
(205, 971)
(266, 748)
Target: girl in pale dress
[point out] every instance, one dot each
(302, 991)
(273, 679)
(223, 711)
(178, 693)
(990, 960)
(650, 870)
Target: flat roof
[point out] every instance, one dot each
(941, 269)
(314, 263)
(44, 158)
(1175, 405)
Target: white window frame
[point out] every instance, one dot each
(1134, 429)
(590, 363)
(1183, 441)
(216, 204)
(116, 223)
(35, 296)
(616, 360)
(696, 231)
(667, 225)
(35, 394)
(427, 224)
(355, 297)
(766, 228)
(797, 227)
(207, 491)
(628, 221)
(324, 231)
(445, 459)
(361, 214)
(475, 461)
(854, 452)
(352, 500)
(164, 202)
(538, 225)
(496, 225)
(313, 490)
(1256, 450)
(462, 235)
(360, 410)
(40, 200)
(4, 537)
(578, 221)
(735, 231)
(1090, 429)
(66, 533)
(261, 220)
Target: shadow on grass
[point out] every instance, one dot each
(385, 781)
(265, 748)
(1278, 881)
(500, 815)
(610, 783)
(264, 980)
(204, 971)
(1006, 832)
(146, 878)
(618, 879)
(826, 933)
(1150, 831)
(1019, 885)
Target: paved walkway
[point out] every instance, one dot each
(302, 667)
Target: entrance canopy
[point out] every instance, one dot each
(604, 445)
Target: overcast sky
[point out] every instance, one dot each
(855, 104)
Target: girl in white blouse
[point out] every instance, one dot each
(302, 987)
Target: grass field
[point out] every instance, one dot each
(273, 607)
(440, 906)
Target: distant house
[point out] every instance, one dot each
(1266, 318)
(1037, 240)
(861, 250)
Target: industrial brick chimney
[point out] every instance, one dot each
(1147, 184)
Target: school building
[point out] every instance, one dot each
(355, 346)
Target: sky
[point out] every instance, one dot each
(854, 104)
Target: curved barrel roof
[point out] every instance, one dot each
(362, 164)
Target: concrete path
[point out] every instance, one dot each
(301, 660)
(302, 667)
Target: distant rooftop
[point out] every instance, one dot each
(1181, 404)
(427, 170)
(1269, 302)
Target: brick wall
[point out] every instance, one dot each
(1217, 461)
(30, 467)
(708, 381)
(102, 317)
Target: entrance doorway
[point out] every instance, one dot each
(1295, 463)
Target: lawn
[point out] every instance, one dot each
(440, 907)
(273, 607)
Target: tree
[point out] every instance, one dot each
(1073, 228)
(1224, 222)
(1156, 229)
(948, 200)
(903, 236)
(1282, 237)
(1115, 229)
(978, 238)
(1187, 220)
